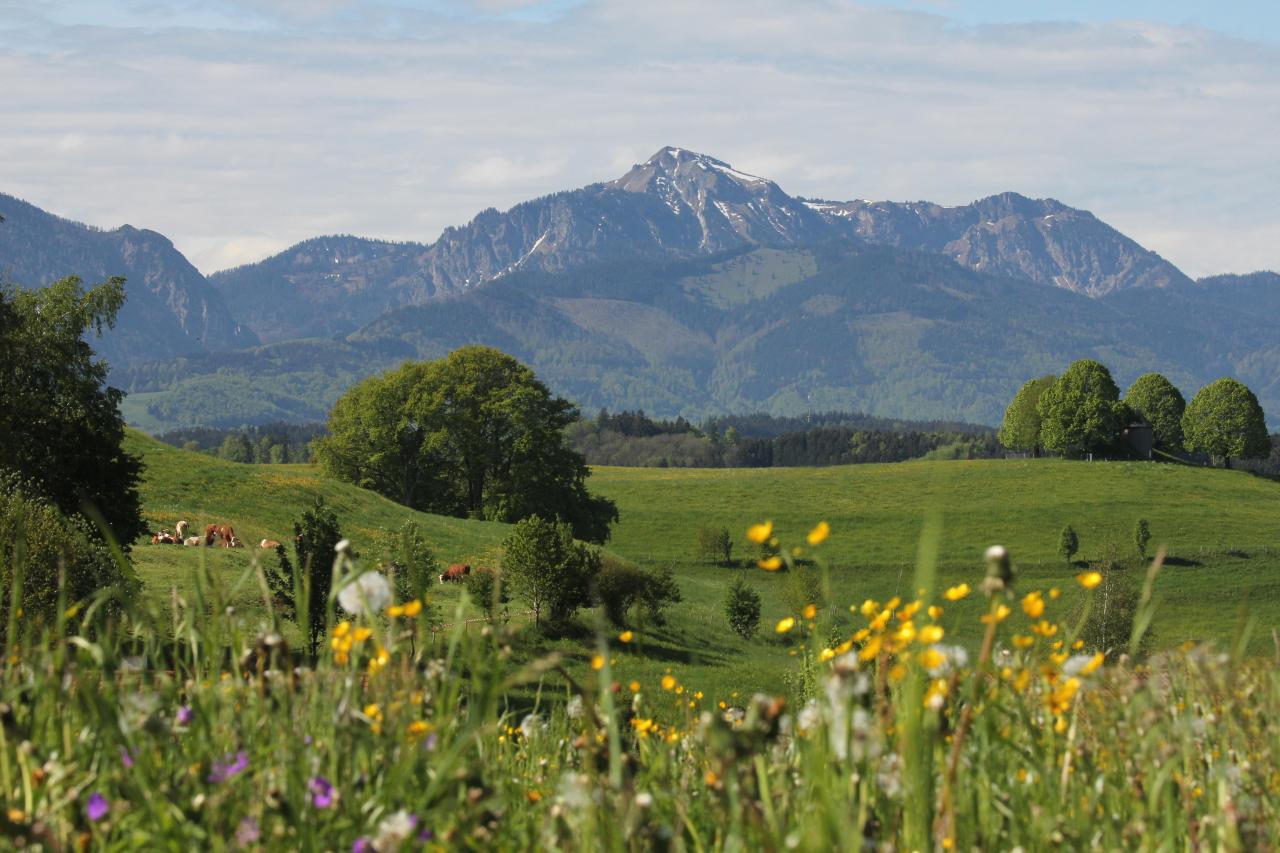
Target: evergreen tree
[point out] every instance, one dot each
(1068, 543)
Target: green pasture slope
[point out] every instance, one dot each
(261, 502)
(1222, 528)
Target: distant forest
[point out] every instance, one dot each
(765, 441)
(632, 439)
(273, 443)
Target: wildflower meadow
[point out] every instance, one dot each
(201, 728)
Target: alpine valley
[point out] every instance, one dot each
(684, 287)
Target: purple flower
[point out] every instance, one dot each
(320, 792)
(185, 715)
(225, 769)
(126, 758)
(97, 807)
(362, 845)
(247, 832)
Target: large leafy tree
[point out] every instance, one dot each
(60, 424)
(473, 434)
(1160, 404)
(1021, 428)
(1224, 420)
(1081, 412)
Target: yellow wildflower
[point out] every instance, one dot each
(418, 728)
(771, 564)
(931, 658)
(819, 534)
(868, 608)
(1093, 664)
(810, 611)
(785, 624)
(1089, 580)
(1022, 641)
(931, 633)
(908, 611)
(997, 616)
(871, 649)
(361, 634)
(341, 629)
(935, 612)
(957, 592)
(668, 682)
(395, 611)
(412, 608)
(1033, 605)
(626, 637)
(760, 533)
(597, 662)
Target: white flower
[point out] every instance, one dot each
(532, 726)
(810, 716)
(394, 830)
(996, 553)
(367, 595)
(574, 707)
(343, 546)
(644, 799)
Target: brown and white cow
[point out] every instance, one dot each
(182, 531)
(193, 541)
(455, 573)
(224, 533)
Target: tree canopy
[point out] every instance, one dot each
(548, 570)
(1021, 429)
(1160, 404)
(1225, 420)
(60, 424)
(472, 434)
(1081, 412)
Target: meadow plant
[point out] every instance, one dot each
(202, 728)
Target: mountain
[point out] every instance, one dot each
(676, 204)
(170, 309)
(841, 326)
(1008, 234)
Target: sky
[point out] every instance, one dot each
(239, 127)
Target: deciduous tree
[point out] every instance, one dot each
(1224, 420)
(548, 570)
(1021, 428)
(1081, 412)
(1160, 404)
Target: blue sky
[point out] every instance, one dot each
(238, 127)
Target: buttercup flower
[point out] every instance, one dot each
(760, 533)
(1089, 580)
(819, 534)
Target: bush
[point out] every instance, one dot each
(715, 545)
(1141, 536)
(548, 570)
(621, 587)
(315, 536)
(1115, 605)
(410, 562)
(742, 608)
(37, 542)
(1068, 543)
(487, 590)
(802, 587)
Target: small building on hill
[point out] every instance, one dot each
(1140, 439)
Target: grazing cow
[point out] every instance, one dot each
(164, 537)
(455, 573)
(225, 535)
(269, 544)
(182, 531)
(193, 541)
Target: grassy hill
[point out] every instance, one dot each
(261, 502)
(1221, 527)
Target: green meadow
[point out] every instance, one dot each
(1221, 529)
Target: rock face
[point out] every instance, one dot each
(1008, 234)
(171, 309)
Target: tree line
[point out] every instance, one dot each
(1081, 413)
(273, 443)
(632, 439)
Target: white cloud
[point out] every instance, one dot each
(398, 122)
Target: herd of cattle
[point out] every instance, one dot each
(225, 536)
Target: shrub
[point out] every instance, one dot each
(715, 545)
(487, 590)
(1141, 536)
(742, 608)
(37, 539)
(410, 562)
(621, 587)
(1115, 606)
(802, 587)
(315, 536)
(1068, 544)
(548, 570)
